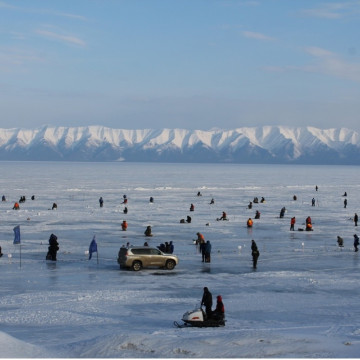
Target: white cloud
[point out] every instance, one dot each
(257, 36)
(68, 39)
(333, 10)
(324, 62)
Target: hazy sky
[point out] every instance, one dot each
(194, 64)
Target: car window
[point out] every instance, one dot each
(155, 252)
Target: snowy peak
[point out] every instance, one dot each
(267, 144)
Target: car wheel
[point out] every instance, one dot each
(170, 264)
(136, 265)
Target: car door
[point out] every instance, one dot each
(157, 258)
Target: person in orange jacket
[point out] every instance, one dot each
(16, 206)
(292, 223)
(249, 223)
(124, 225)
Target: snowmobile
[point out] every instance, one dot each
(198, 318)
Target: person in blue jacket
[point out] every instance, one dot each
(207, 251)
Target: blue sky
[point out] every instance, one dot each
(194, 64)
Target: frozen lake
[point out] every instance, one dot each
(302, 301)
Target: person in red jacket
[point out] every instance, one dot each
(219, 312)
(124, 225)
(292, 223)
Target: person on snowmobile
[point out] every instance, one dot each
(219, 312)
(207, 301)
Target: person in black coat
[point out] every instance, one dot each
(255, 253)
(207, 301)
(356, 219)
(53, 248)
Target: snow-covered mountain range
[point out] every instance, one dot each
(267, 144)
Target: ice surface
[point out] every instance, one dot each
(302, 301)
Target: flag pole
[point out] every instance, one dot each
(97, 257)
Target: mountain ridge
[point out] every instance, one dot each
(266, 144)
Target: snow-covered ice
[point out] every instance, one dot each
(302, 301)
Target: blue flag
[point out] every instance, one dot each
(17, 234)
(92, 247)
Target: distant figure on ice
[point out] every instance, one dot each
(262, 200)
(316, 188)
(208, 252)
(125, 211)
(188, 219)
(223, 216)
(3, 198)
(294, 197)
(249, 223)
(101, 202)
(250, 205)
(308, 224)
(162, 247)
(22, 199)
(148, 231)
(33, 197)
(282, 212)
(53, 248)
(207, 301)
(125, 200)
(1, 254)
(255, 253)
(345, 203)
(340, 241)
(292, 223)
(256, 200)
(54, 206)
(16, 206)
(356, 219)
(171, 247)
(356, 242)
(313, 202)
(219, 312)
(146, 244)
(257, 214)
(345, 193)
(199, 193)
(151, 199)
(124, 225)
(192, 207)
(212, 201)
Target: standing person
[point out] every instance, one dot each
(356, 219)
(171, 247)
(207, 301)
(208, 252)
(255, 253)
(192, 207)
(316, 188)
(292, 223)
(345, 203)
(356, 242)
(201, 242)
(53, 248)
(101, 202)
(1, 254)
